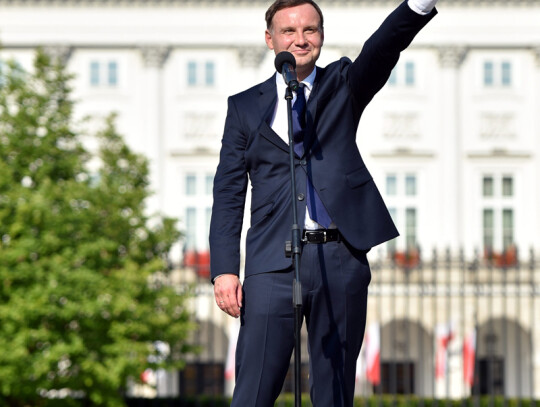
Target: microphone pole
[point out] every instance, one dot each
(286, 64)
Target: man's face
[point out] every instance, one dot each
(297, 30)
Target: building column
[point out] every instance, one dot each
(59, 53)
(451, 233)
(452, 192)
(535, 331)
(251, 58)
(154, 58)
(536, 105)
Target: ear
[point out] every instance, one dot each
(268, 39)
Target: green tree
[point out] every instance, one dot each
(83, 276)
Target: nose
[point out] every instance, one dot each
(300, 39)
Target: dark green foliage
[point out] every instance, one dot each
(80, 304)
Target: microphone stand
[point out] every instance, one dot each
(294, 249)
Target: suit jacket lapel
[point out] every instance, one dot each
(267, 105)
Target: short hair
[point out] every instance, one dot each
(281, 4)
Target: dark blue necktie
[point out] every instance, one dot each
(317, 211)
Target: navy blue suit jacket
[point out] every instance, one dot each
(251, 148)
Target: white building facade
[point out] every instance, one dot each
(452, 140)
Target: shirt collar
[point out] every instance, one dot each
(308, 82)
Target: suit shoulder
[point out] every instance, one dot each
(334, 70)
(254, 90)
(335, 66)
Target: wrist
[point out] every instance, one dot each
(422, 6)
(221, 275)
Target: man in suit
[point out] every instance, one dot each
(341, 212)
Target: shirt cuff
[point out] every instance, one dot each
(422, 7)
(221, 275)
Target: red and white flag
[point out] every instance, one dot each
(445, 333)
(148, 377)
(230, 365)
(373, 354)
(469, 354)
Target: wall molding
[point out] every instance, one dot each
(203, 3)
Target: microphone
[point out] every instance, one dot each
(286, 65)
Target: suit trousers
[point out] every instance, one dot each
(335, 279)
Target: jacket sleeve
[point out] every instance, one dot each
(230, 184)
(372, 68)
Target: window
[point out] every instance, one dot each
(488, 73)
(507, 186)
(497, 73)
(197, 203)
(192, 73)
(409, 74)
(487, 186)
(402, 198)
(506, 74)
(391, 185)
(113, 73)
(397, 377)
(489, 374)
(392, 81)
(392, 244)
(410, 185)
(410, 229)
(498, 212)
(403, 74)
(191, 184)
(489, 238)
(103, 73)
(94, 73)
(201, 73)
(507, 228)
(209, 74)
(209, 184)
(202, 378)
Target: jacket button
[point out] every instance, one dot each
(301, 197)
(303, 162)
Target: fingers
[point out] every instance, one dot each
(239, 296)
(226, 292)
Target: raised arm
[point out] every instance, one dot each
(370, 71)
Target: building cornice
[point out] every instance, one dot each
(205, 3)
(500, 154)
(402, 153)
(254, 53)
